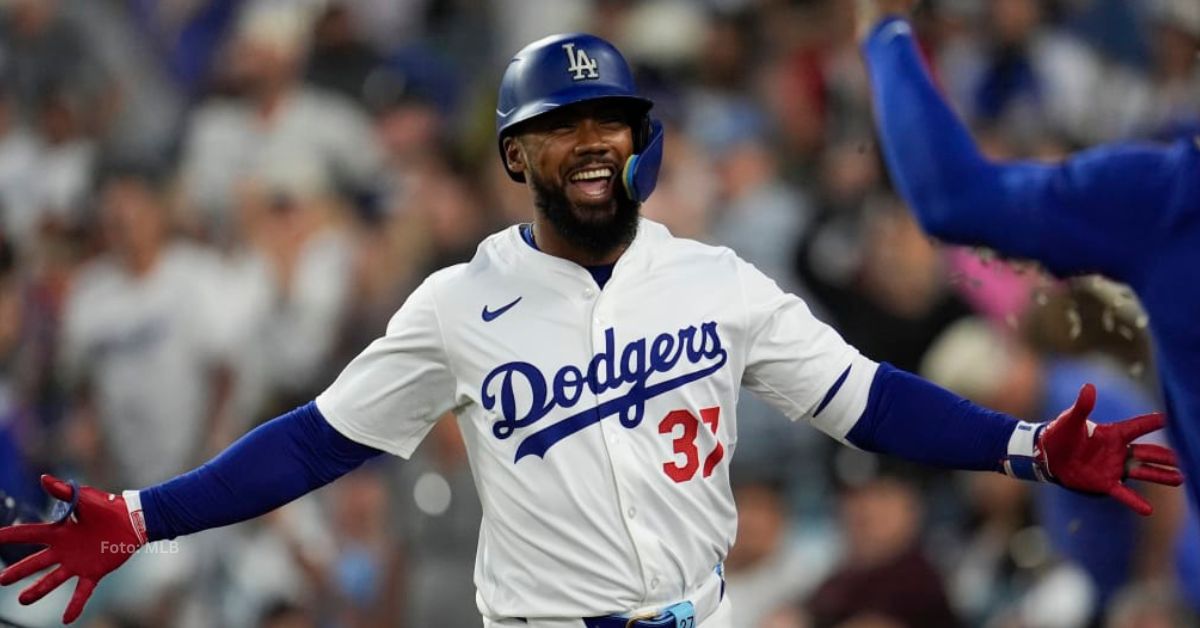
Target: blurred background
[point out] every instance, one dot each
(207, 207)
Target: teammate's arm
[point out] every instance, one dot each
(1102, 210)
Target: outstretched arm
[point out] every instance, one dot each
(1103, 210)
(806, 370)
(272, 465)
(387, 398)
(909, 417)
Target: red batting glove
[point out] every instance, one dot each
(96, 538)
(1091, 458)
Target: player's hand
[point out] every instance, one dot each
(868, 13)
(94, 539)
(1091, 458)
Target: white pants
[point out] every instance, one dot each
(722, 618)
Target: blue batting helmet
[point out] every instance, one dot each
(562, 70)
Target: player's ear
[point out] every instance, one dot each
(514, 155)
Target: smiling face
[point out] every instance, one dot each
(572, 159)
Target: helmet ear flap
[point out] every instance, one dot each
(640, 174)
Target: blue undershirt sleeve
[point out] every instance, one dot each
(270, 466)
(1101, 210)
(914, 419)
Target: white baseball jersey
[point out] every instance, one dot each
(599, 423)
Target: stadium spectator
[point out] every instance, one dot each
(143, 341)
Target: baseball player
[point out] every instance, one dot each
(1127, 210)
(594, 363)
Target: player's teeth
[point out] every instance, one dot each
(597, 173)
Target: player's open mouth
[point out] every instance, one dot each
(592, 184)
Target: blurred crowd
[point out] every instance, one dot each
(207, 207)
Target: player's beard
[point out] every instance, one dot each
(596, 237)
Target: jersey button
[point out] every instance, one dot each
(654, 583)
(589, 293)
(632, 512)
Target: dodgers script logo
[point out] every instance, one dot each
(582, 66)
(633, 366)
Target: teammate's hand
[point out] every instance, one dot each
(1091, 458)
(94, 539)
(868, 13)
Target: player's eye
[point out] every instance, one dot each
(613, 121)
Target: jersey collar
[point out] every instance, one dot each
(635, 255)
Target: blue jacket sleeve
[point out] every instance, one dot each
(270, 466)
(914, 419)
(1096, 212)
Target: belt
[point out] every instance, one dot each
(685, 614)
(681, 615)
(700, 604)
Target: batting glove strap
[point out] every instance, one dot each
(133, 504)
(1025, 459)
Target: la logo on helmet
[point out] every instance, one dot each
(582, 66)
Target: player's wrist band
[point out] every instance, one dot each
(133, 504)
(1024, 460)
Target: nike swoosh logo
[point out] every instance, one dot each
(493, 315)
